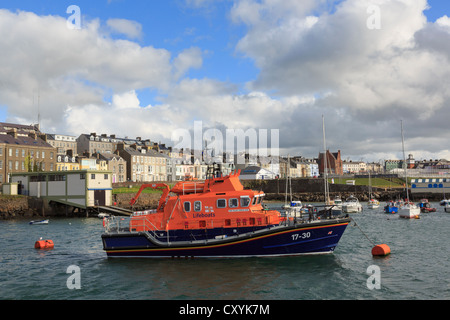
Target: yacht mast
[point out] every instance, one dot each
(325, 168)
(404, 162)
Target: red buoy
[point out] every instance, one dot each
(44, 244)
(381, 250)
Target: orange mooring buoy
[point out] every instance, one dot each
(44, 244)
(381, 250)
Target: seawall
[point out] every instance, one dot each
(16, 207)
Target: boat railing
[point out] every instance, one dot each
(134, 223)
(115, 224)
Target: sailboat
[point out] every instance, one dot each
(409, 210)
(372, 203)
(294, 208)
(336, 205)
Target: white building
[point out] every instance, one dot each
(81, 188)
(256, 173)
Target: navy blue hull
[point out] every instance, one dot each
(309, 238)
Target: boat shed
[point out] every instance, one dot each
(79, 188)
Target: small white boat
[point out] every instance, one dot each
(444, 202)
(337, 206)
(294, 209)
(39, 222)
(351, 205)
(103, 215)
(337, 202)
(409, 211)
(373, 204)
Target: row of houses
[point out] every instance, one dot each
(24, 148)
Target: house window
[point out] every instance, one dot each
(105, 177)
(221, 203)
(93, 176)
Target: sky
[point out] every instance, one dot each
(155, 69)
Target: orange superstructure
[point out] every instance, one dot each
(218, 202)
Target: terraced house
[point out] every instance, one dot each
(143, 164)
(22, 150)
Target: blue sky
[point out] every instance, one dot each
(239, 57)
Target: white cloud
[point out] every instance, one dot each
(312, 60)
(365, 80)
(129, 28)
(41, 57)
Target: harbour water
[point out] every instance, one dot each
(417, 268)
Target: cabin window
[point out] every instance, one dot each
(187, 206)
(254, 200)
(245, 201)
(233, 202)
(197, 206)
(221, 203)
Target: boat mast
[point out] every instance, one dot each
(404, 162)
(325, 168)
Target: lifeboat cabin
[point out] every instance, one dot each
(215, 204)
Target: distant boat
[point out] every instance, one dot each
(337, 206)
(39, 222)
(351, 205)
(391, 207)
(337, 202)
(425, 206)
(447, 207)
(444, 202)
(373, 204)
(409, 210)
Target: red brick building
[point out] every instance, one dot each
(334, 163)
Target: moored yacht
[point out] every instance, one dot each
(352, 205)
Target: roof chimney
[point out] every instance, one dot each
(13, 133)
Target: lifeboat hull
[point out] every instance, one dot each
(313, 238)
